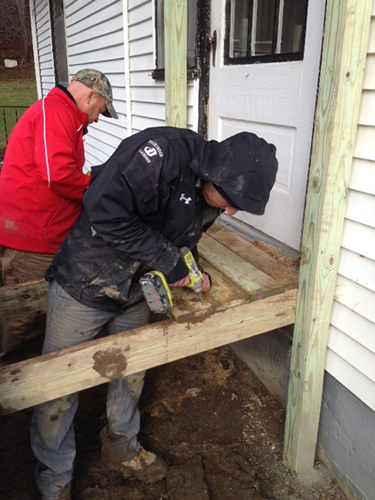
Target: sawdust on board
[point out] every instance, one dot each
(277, 253)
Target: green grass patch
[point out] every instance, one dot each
(14, 93)
(21, 93)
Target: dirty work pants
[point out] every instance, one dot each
(52, 437)
(19, 267)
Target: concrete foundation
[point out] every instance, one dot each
(346, 442)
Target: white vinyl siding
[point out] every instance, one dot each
(96, 38)
(44, 46)
(351, 346)
(94, 31)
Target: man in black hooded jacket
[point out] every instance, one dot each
(160, 191)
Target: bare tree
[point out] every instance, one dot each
(21, 7)
(15, 24)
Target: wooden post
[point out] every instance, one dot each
(343, 61)
(175, 43)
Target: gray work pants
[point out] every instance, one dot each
(52, 437)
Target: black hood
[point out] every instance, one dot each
(243, 166)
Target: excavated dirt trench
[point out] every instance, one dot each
(208, 416)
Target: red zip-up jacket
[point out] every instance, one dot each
(41, 181)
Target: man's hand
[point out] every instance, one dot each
(206, 285)
(185, 281)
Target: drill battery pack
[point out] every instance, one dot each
(156, 292)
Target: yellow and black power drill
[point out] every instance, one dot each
(156, 290)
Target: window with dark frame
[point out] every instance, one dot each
(59, 42)
(158, 73)
(265, 31)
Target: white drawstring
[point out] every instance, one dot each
(45, 144)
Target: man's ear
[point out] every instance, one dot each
(90, 97)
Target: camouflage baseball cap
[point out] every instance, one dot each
(99, 83)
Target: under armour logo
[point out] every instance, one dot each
(186, 200)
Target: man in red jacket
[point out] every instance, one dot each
(42, 183)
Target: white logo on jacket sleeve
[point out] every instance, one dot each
(186, 200)
(150, 151)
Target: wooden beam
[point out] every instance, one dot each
(343, 61)
(276, 264)
(47, 377)
(22, 300)
(248, 277)
(175, 48)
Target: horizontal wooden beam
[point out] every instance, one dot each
(249, 278)
(23, 300)
(47, 377)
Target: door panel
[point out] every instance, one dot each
(276, 101)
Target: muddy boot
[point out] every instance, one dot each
(145, 466)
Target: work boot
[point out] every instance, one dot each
(145, 466)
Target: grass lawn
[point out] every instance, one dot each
(17, 88)
(21, 93)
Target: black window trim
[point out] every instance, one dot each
(269, 58)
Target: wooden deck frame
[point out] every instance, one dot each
(253, 293)
(345, 42)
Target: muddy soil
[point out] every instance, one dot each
(208, 416)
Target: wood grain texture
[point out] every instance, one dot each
(343, 62)
(22, 300)
(277, 268)
(49, 376)
(243, 301)
(222, 293)
(248, 277)
(175, 46)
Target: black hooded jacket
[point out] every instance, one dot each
(145, 203)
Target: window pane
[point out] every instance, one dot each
(264, 13)
(294, 20)
(239, 28)
(265, 30)
(191, 31)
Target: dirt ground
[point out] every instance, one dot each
(208, 416)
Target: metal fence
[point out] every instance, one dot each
(9, 116)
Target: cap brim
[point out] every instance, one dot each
(110, 112)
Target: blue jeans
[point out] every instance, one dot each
(71, 323)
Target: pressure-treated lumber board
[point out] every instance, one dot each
(248, 277)
(343, 61)
(175, 47)
(223, 292)
(270, 265)
(22, 300)
(49, 376)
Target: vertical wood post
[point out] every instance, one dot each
(175, 42)
(343, 61)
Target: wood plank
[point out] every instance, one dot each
(49, 376)
(248, 277)
(277, 266)
(341, 76)
(22, 300)
(222, 293)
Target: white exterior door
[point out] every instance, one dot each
(275, 100)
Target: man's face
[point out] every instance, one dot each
(94, 106)
(215, 200)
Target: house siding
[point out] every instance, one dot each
(351, 345)
(44, 47)
(97, 38)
